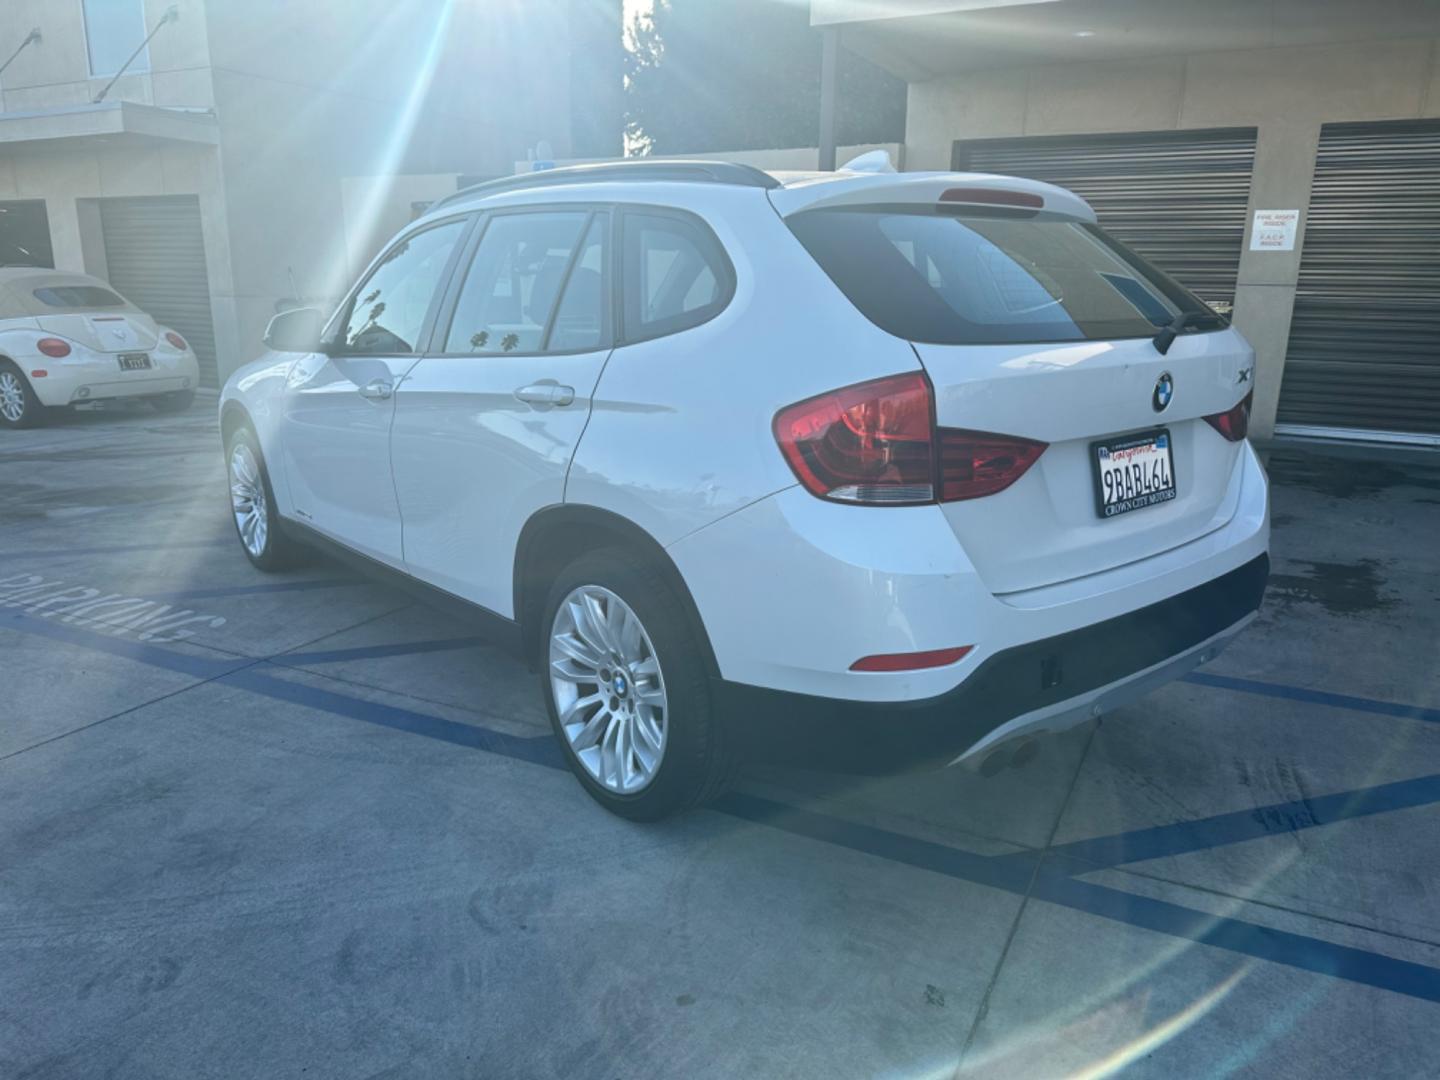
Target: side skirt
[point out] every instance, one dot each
(495, 628)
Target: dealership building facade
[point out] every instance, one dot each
(207, 182)
(1280, 157)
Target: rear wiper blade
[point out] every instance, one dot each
(1166, 337)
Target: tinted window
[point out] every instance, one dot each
(513, 283)
(389, 309)
(676, 275)
(580, 319)
(77, 296)
(991, 279)
(113, 30)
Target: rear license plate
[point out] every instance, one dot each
(134, 361)
(1133, 472)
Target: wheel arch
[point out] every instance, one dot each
(234, 415)
(557, 535)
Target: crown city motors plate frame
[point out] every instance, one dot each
(1133, 472)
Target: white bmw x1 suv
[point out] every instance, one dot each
(864, 470)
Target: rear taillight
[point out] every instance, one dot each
(53, 346)
(1234, 423)
(876, 444)
(175, 339)
(869, 443)
(976, 463)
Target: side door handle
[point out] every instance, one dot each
(546, 393)
(377, 389)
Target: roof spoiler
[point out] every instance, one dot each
(947, 189)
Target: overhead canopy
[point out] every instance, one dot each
(123, 123)
(925, 39)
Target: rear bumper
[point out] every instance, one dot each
(1041, 685)
(76, 383)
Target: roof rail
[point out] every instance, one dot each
(708, 172)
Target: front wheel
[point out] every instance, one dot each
(252, 505)
(627, 692)
(19, 407)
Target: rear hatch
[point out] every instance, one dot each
(1030, 322)
(108, 332)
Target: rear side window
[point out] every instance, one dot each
(77, 296)
(985, 279)
(676, 275)
(514, 283)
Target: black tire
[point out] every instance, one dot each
(32, 413)
(279, 552)
(695, 766)
(174, 402)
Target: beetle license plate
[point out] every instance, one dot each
(134, 361)
(1133, 472)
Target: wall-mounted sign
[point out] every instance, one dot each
(1274, 230)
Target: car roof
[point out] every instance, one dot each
(790, 192)
(18, 285)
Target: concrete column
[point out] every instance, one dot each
(1265, 293)
(829, 62)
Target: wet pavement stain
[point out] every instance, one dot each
(1340, 588)
(1344, 478)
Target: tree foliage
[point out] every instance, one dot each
(711, 75)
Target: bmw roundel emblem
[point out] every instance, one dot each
(1164, 391)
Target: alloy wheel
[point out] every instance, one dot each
(609, 691)
(247, 499)
(12, 397)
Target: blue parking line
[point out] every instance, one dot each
(1009, 873)
(1222, 830)
(1314, 697)
(1012, 874)
(376, 652)
(535, 749)
(1238, 936)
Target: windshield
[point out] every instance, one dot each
(989, 278)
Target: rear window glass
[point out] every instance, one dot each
(77, 296)
(986, 279)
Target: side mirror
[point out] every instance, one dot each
(295, 331)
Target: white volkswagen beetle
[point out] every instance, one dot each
(67, 339)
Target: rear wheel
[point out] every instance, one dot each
(252, 505)
(177, 401)
(627, 691)
(19, 407)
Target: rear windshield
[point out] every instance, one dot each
(77, 296)
(992, 278)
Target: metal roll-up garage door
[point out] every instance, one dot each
(1176, 197)
(1364, 356)
(155, 257)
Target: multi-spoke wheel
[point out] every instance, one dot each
(247, 499)
(252, 505)
(19, 407)
(609, 691)
(627, 691)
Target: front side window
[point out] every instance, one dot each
(515, 280)
(986, 279)
(113, 30)
(676, 275)
(388, 313)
